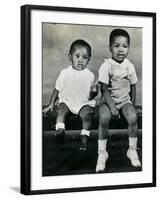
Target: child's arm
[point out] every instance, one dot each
(94, 88)
(133, 93)
(93, 92)
(109, 101)
(52, 101)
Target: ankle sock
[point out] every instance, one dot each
(60, 125)
(85, 132)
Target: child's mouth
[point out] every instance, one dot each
(80, 65)
(120, 56)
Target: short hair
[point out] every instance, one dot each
(80, 43)
(118, 32)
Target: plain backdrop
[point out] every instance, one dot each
(10, 101)
(57, 39)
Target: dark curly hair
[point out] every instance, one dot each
(80, 43)
(118, 32)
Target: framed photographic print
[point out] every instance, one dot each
(88, 99)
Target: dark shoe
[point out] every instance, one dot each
(84, 142)
(60, 136)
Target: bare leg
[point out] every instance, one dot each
(129, 113)
(104, 119)
(60, 122)
(62, 113)
(86, 116)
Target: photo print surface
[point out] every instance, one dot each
(66, 152)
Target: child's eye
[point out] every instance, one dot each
(85, 57)
(116, 45)
(77, 56)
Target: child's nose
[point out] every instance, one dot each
(80, 59)
(121, 49)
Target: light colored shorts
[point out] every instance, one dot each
(119, 105)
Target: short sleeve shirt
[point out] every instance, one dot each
(74, 88)
(118, 77)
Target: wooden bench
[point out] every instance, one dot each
(73, 122)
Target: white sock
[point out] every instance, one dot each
(85, 132)
(132, 152)
(102, 144)
(60, 125)
(133, 142)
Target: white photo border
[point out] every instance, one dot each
(31, 178)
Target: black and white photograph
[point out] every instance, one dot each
(88, 99)
(84, 131)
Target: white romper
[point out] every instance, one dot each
(74, 88)
(118, 77)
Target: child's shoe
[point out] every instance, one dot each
(101, 162)
(133, 156)
(84, 143)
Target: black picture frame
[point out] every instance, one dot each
(26, 102)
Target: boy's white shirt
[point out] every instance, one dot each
(119, 77)
(74, 88)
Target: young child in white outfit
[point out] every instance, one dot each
(76, 88)
(117, 78)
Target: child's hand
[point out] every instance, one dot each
(50, 107)
(115, 113)
(93, 92)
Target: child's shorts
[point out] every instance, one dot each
(120, 105)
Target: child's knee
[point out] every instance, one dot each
(63, 109)
(104, 119)
(132, 119)
(86, 113)
(104, 115)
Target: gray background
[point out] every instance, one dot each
(57, 39)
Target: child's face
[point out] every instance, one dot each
(119, 48)
(79, 58)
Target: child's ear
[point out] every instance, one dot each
(110, 48)
(70, 57)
